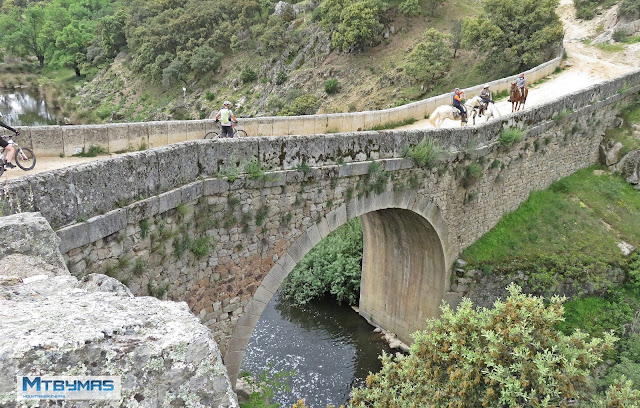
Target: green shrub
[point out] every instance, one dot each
(281, 78)
(210, 96)
(93, 152)
(331, 267)
(409, 8)
(332, 86)
(205, 59)
(507, 356)
(306, 104)
(472, 174)
(248, 75)
(425, 154)
(510, 136)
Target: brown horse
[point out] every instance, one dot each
(517, 100)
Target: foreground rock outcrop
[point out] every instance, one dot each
(53, 324)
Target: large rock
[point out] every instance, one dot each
(610, 154)
(629, 167)
(52, 324)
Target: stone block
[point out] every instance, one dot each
(46, 140)
(192, 191)
(215, 186)
(270, 283)
(118, 134)
(73, 236)
(177, 164)
(177, 131)
(169, 200)
(263, 295)
(54, 195)
(195, 129)
(158, 134)
(139, 136)
(142, 210)
(107, 224)
(73, 140)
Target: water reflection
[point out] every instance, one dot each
(331, 348)
(25, 107)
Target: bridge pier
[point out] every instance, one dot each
(404, 272)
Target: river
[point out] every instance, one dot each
(25, 107)
(331, 348)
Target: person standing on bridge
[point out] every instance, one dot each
(225, 116)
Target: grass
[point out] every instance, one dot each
(394, 124)
(563, 228)
(425, 154)
(92, 152)
(509, 136)
(610, 47)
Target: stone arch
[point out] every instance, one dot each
(403, 210)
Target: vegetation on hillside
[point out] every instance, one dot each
(138, 55)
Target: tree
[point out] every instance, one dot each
(205, 59)
(515, 34)
(23, 33)
(409, 8)
(113, 32)
(509, 356)
(456, 36)
(359, 25)
(430, 59)
(71, 46)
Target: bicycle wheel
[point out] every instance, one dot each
(25, 159)
(240, 133)
(211, 135)
(1, 168)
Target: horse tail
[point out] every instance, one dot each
(433, 118)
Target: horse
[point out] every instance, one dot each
(474, 105)
(443, 112)
(517, 100)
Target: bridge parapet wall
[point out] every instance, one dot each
(118, 137)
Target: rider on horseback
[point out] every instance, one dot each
(521, 83)
(485, 96)
(457, 99)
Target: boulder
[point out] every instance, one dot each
(53, 325)
(629, 167)
(610, 153)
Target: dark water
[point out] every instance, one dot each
(25, 107)
(330, 347)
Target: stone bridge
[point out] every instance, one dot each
(219, 224)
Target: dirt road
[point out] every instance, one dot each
(585, 65)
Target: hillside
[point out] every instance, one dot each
(369, 79)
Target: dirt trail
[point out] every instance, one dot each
(585, 65)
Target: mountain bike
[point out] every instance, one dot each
(214, 134)
(24, 157)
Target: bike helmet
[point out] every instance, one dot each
(522, 75)
(486, 85)
(457, 89)
(227, 103)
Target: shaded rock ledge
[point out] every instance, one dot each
(53, 324)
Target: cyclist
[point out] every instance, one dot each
(226, 118)
(9, 148)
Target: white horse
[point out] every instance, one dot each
(474, 104)
(443, 112)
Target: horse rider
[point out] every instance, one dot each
(485, 96)
(521, 83)
(457, 102)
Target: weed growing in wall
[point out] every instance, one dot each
(394, 124)
(202, 247)
(304, 168)
(375, 181)
(472, 174)
(509, 136)
(425, 154)
(562, 114)
(144, 228)
(261, 215)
